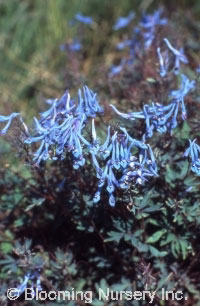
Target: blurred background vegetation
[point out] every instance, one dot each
(33, 67)
(32, 64)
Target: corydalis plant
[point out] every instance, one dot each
(59, 129)
(159, 117)
(142, 38)
(121, 168)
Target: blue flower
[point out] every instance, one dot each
(117, 151)
(76, 45)
(122, 22)
(194, 153)
(84, 19)
(9, 119)
(149, 21)
(186, 86)
(162, 118)
(131, 116)
(34, 277)
(164, 63)
(60, 127)
(142, 37)
(179, 56)
(116, 69)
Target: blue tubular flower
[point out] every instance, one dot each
(112, 200)
(179, 56)
(88, 105)
(23, 286)
(134, 142)
(33, 278)
(119, 158)
(50, 111)
(60, 127)
(111, 181)
(194, 153)
(151, 162)
(158, 117)
(39, 128)
(104, 149)
(123, 154)
(149, 23)
(9, 119)
(122, 22)
(142, 38)
(131, 116)
(97, 197)
(99, 171)
(164, 63)
(84, 19)
(116, 69)
(95, 143)
(186, 86)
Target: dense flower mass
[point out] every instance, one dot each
(60, 129)
(159, 117)
(117, 154)
(104, 189)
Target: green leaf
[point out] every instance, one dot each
(170, 238)
(156, 236)
(184, 247)
(6, 247)
(155, 252)
(114, 236)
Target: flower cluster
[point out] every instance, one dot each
(60, 127)
(143, 35)
(121, 168)
(121, 160)
(193, 151)
(148, 24)
(60, 130)
(159, 117)
(76, 44)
